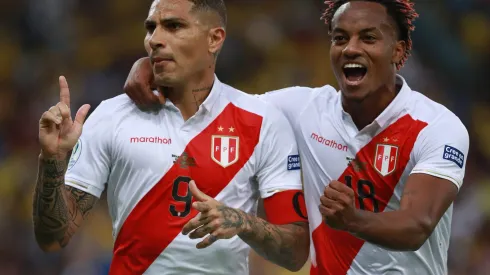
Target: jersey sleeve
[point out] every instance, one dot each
(288, 100)
(278, 159)
(441, 150)
(89, 165)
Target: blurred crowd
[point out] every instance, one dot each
(271, 44)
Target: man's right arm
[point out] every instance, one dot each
(58, 209)
(62, 200)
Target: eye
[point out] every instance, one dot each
(369, 38)
(173, 26)
(150, 27)
(338, 38)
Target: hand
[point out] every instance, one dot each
(338, 206)
(58, 133)
(139, 85)
(215, 219)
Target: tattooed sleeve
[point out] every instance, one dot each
(58, 210)
(285, 245)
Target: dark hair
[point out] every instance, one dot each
(217, 6)
(401, 11)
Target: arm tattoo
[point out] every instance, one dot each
(285, 245)
(58, 210)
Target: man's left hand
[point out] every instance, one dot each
(337, 206)
(215, 219)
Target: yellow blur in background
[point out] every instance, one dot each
(271, 44)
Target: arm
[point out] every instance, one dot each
(285, 245)
(289, 101)
(58, 210)
(283, 237)
(433, 185)
(60, 206)
(139, 85)
(439, 155)
(425, 199)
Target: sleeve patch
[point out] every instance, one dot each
(454, 155)
(294, 162)
(75, 155)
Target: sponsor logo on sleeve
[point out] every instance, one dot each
(294, 162)
(454, 155)
(75, 154)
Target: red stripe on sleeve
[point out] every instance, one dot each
(286, 207)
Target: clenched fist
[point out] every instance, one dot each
(337, 206)
(58, 133)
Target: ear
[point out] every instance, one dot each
(398, 51)
(216, 38)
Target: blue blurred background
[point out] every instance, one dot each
(271, 44)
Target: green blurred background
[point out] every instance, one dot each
(271, 44)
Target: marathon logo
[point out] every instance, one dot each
(454, 155)
(158, 140)
(329, 142)
(293, 162)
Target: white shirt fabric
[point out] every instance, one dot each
(234, 141)
(412, 135)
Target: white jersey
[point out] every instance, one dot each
(412, 135)
(236, 148)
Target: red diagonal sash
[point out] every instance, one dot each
(335, 250)
(160, 215)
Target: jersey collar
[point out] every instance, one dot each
(208, 103)
(391, 112)
(213, 95)
(397, 106)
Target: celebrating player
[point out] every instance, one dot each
(382, 163)
(193, 169)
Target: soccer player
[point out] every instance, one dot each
(183, 176)
(382, 163)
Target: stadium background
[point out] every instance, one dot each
(271, 44)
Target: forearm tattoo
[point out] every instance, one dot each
(58, 209)
(279, 244)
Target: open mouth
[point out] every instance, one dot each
(354, 72)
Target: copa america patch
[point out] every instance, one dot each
(454, 155)
(75, 154)
(294, 162)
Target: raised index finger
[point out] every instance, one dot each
(64, 91)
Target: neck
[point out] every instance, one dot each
(191, 94)
(365, 111)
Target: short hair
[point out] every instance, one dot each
(217, 6)
(401, 11)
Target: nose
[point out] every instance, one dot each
(352, 48)
(157, 39)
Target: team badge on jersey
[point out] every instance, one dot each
(385, 158)
(224, 149)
